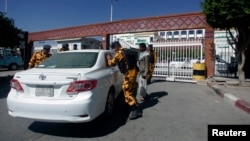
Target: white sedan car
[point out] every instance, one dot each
(73, 86)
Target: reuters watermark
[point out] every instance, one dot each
(223, 132)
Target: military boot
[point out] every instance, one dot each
(135, 113)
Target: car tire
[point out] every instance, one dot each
(109, 107)
(13, 66)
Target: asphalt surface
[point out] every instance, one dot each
(175, 112)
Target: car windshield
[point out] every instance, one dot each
(11, 53)
(70, 60)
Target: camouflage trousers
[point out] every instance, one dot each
(150, 71)
(129, 88)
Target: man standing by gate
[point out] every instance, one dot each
(143, 71)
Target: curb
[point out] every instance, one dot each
(239, 103)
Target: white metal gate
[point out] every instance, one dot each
(225, 59)
(175, 58)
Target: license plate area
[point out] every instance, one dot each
(47, 91)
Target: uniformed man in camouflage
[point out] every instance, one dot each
(129, 78)
(39, 56)
(152, 61)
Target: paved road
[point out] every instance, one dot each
(176, 112)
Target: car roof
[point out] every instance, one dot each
(87, 50)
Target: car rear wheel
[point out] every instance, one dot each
(109, 108)
(13, 67)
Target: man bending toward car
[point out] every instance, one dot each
(129, 70)
(39, 56)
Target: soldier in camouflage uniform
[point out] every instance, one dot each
(129, 78)
(152, 61)
(39, 56)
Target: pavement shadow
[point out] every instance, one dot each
(4, 86)
(158, 81)
(153, 99)
(97, 128)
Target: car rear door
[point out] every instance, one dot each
(115, 74)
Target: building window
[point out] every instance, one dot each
(199, 32)
(162, 34)
(191, 32)
(183, 32)
(176, 34)
(169, 33)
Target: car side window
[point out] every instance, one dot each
(7, 53)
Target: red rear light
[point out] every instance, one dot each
(80, 86)
(16, 85)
